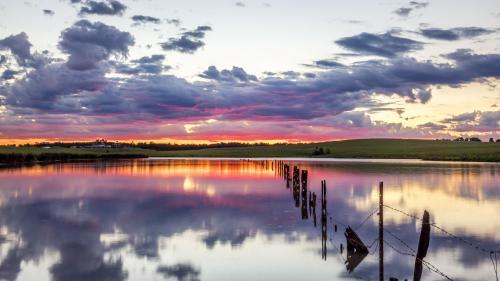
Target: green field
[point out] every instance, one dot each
(367, 148)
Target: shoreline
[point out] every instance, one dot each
(337, 160)
(426, 150)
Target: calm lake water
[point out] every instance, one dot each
(221, 219)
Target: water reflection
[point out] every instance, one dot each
(216, 219)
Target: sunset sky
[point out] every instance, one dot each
(202, 71)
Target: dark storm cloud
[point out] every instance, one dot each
(236, 74)
(412, 6)
(454, 34)
(145, 19)
(113, 7)
(88, 43)
(48, 12)
(384, 45)
(189, 42)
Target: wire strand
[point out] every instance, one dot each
(475, 246)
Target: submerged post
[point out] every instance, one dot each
(381, 231)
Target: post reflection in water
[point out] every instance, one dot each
(215, 219)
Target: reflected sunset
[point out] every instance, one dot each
(165, 210)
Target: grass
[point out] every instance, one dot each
(366, 148)
(16, 155)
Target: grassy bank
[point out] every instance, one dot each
(18, 155)
(368, 148)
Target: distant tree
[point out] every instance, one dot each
(318, 151)
(498, 140)
(475, 139)
(460, 139)
(492, 140)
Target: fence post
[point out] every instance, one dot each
(381, 231)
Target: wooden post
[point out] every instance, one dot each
(423, 245)
(381, 231)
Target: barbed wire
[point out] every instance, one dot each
(400, 240)
(366, 219)
(427, 264)
(475, 246)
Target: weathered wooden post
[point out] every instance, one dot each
(423, 245)
(296, 186)
(381, 231)
(324, 226)
(303, 179)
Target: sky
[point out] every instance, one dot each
(274, 71)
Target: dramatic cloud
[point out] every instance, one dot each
(48, 12)
(384, 45)
(236, 74)
(454, 34)
(102, 8)
(189, 42)
(44, 89)
(412, 6)
(151, 65)
(86, 88)
(19, 45)
(58, 89)
(88, 43)
(145, 19)
(476, 121)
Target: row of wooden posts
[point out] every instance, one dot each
(356, 249)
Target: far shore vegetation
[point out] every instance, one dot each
(461, 149)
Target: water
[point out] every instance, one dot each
(222, 219)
